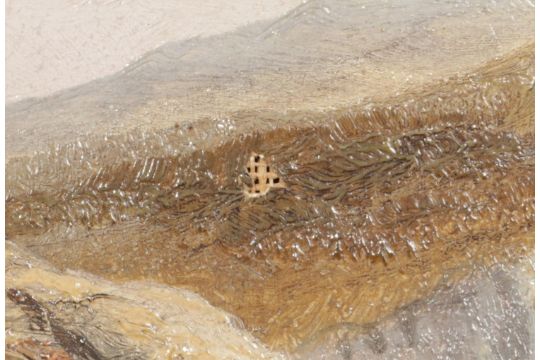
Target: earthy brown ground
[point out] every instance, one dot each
(381, 207)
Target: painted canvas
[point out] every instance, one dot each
(278, 179)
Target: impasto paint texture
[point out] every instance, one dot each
(328, 180)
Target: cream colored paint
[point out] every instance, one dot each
(163, 322)
(56, 44)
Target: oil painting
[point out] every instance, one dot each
(280, 179)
